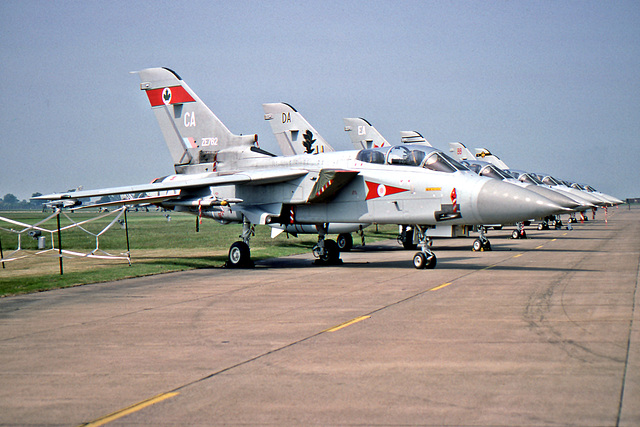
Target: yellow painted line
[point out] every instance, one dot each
(553, 240)
(538, 247)
(345, 324)
(131, 409)
(564, 234)
(441, 286)
(516, 256)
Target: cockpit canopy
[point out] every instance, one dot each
(549, 180)
(525, 177)
(411, 155)
(486, 169)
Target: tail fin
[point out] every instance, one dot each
(460, 152)
(486, 156)
(363, 134)
(413, 137)
(192, 132)
(294, 134)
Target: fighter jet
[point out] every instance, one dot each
(363, 135)
(229, 178)
(576, 191)
(461, 153)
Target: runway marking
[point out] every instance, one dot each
(131, 409)
(441, 286)
(553, 240)
(345, 324)
(538, 247)
(516, 256)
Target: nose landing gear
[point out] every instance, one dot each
(425, 259)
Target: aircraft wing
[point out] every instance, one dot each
(133, 201)
(257, 177)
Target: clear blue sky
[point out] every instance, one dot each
(549, 86)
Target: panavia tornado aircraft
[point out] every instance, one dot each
(579, 192)
(227, 177)
(462, 154)
(362, 133)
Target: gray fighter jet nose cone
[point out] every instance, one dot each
(554, 196)
(503, 203)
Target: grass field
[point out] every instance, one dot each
(157, 245)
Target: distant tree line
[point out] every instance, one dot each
(11, 202)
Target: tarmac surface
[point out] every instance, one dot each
(538, 332)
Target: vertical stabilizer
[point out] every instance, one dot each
(485, 155)
(460, 152)
(294, 134)
(363, 134)
(192, 132)
(413, 137)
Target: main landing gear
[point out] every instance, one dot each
(240, 253)
(481, 243)
(345, 242)
(425, 258)
(519, 232)
(326, 251)
(405, 237)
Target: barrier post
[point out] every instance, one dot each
(1, 252)
(126, 231)
(59, 242)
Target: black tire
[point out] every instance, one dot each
(515, 234)
(345, 242)
(420, 260)
(331, 253)
(477, 245)
(431, 262)
(407, 243)
(239, 255)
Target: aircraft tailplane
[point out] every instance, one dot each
(192, 132)
(363, 134)
(460, 152)
(487, 156)
(293, 132)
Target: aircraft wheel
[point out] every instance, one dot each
(515, 234)
(331, 252)
(477, 245)
(540, 226)
(239, 255)
(431, 262)
(345, 242)
(487, 246)
(420, 260)
(407, 241)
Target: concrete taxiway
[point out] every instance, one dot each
(542, 331)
